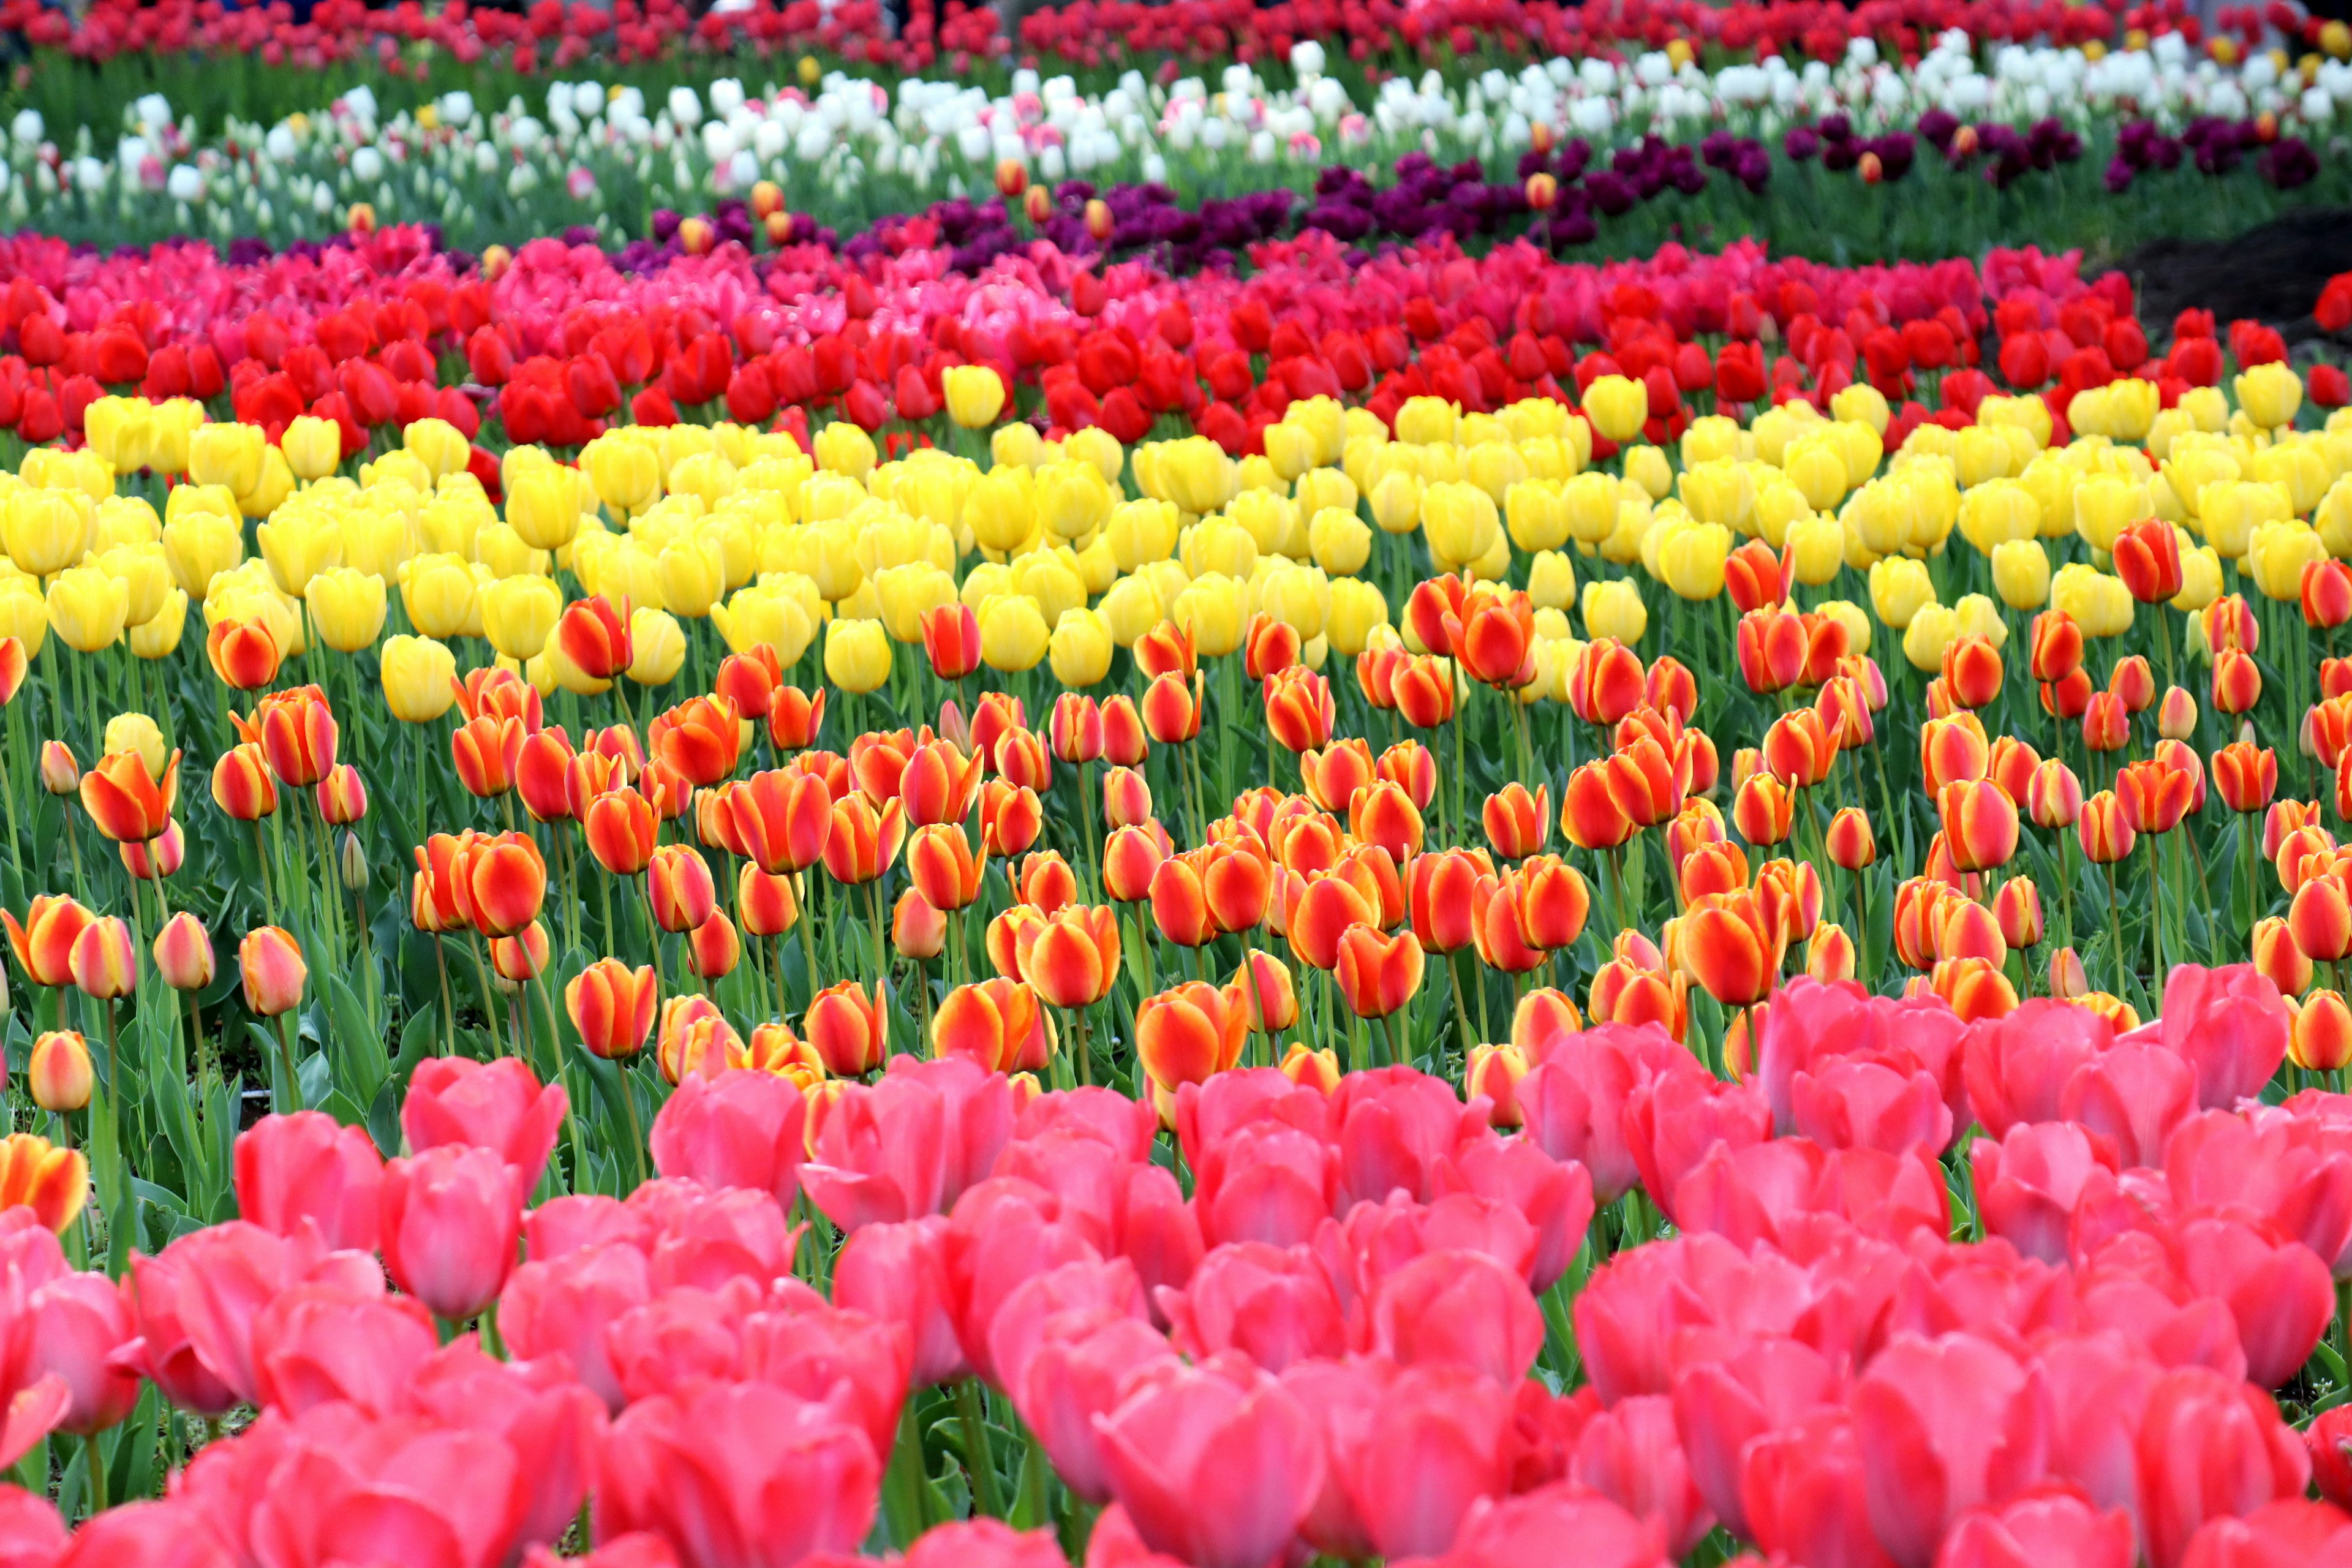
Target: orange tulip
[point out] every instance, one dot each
(679, 888)
(594, 634)
(1790, 891)
(2320, 918)
(1166, 649)
(522, 956)
(2237, 682)
(1335, 772)
(1324, 909)
(863, 844)
(939, 783)
(1966, 929)
(2057, 645)
(943, 867)
(1010, 818)
(1382, 814)
(1125, 743)
(1267, 991)
(2055, 797)
(2156, 796)
(1494, 638)
(1376, 671)
(1126, 798)
(878, 758)
(1317, 1070)
(542, 772)
(60, 775)
(1179, 904)
(296, 730)
(849, 1028)
(765, 902)
(1502, 939)
(1952, 751)
(1979, 825)
(1849, 840)
(701, 739)
(1377, 973)
(1046, 883)
(124, 804)
(183, 954)
(103, 964)
(1798, 749)
(773, 1048)
(1974, 988)
(243, 786)
(15, 664)
(951, 640)
(485, 752)
(1493, 1073)
(1440, 890)
(2279, 958)
(1649, 784)
(1022, 760)
(2246, 777)
(1517, 824)
(1830, 957)
(1730, 950)
(1606, 682)
(1422, 686)
(60, 1076)
(2017, 908)
(1298, 711)
(918, 930)
(620, 830)
(1671, 688)
(750, 680)
(612, 1006)
(243, 654)
(695, 1039)
(44, 942)
(1237, 880)
(1171, 709)
(995, 1023)
(2104, 829)
(52, 1182)
(2322, 1037)
(2132, 683)
(1552, 902)
(1590, 813)
(1972, 670)
(1188, 1033)
(1718, 867)
(795, 719)
(783, 818)
(504, 882)
(1307, 842)
(436, 902)
(1071, 959)
(1763, 810)
(1074, 728)
(1770, 649)
(1131, 858)
(270, 963)
(1268, 647)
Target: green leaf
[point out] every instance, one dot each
(361, 1068)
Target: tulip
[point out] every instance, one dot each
(61, 1077)
(503, 883)
(996, 1023)
(594, 637)
(125, 802)
(102, 962)
(620, 828)
(611, 1006)
(849, 1029)
(2322, 1036)
(270, 965)
(1377, 974)
(1517, 824)
(1072, 961)
(450, 1218)
(2245, 777)
(1731, 951)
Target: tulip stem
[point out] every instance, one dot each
(268, 889)
(808, 943)
(8, 793)
(97, 1468)
(114, 1074)
(489, 998)
(1460, 1005)
(636, 1128)
(2115, 931)
(978, 1456)
(2154, 917)
(449, 1008)
(653, 931)
(873, 915)
(286, 1048)
(1085, 1050)
(777, 944)
(1086, 810)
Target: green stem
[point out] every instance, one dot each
(978, 1455)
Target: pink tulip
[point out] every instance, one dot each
(2134, 1096)
(2029, 1183)
(336, 1485)
(1803, 1489)
(1627, 1315)
(1555, 1197)
(983, 1544)
(1268, 1182)
(2330, 1437)
(1456, 1308)
(1416, 1456)
(494, 1105)
(143, 1535)
(1214, 1465)
(1558, 1523)
(2218, 1159)
(1272, 1304)
(31, 1533)
(1003, 1233)
(582, 1220)
(2279, 1293)
(553, 1427)
(318, 1343)
(822, 1352)
(703, 1237)
(1720, 1404)
(564, 1306)
(2099, 1384)
(2209, 1449)
(2016, 1067)
(1078, 1372)
(1630, 1455)
(1394, 1125)
(1573, 1100)
(1208, 1114)
(1856, 1104)
(1673, 1119)
(1943, 1425)
(224, 1275)
(2230, 1024)
(1127, 1126)
(740, 1128)
(163, 1351)
(79, 1328)
(746, 1476)
(1375, 1240)
(451, 1218)
(1808, 1024)
(2047, 1529)
(304, 1169)
(899, 1272)
(908, 1145)
(1069, 1298)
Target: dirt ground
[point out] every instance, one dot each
(2272, 273)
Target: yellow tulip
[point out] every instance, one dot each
(137, 732)
(1338, 542)
(1080, 648)
(1711, 436)
(1850, 616)
(348, 608)
(1552, 580)
(765, 616)
(2276, 555)
(46, 531)
(298, 546)
(145, 576)
(1300, 598)
(999, 512)
(1997, 511)
(1212, 607)
(158, 636)
(271, 491)
(1618, 407)
(1131, 609)
(2200, 582)
(1720, 491)
(520, 613)
(1899, 590)
(1396, 502)
(1357, 608)
(1536, 513)
(417, 672)
(1613, 608)
(121, 430)
(975, 394)
(1318, 489)
(1221, 545)
(1291, 449)
(543, 507)
(1816, 465)
(1460, 522)
(438, 592)
(1861, 404)
(1691, 558)
(1817, 543)
(2332, 518)
(88, 607)
(24, 614)
(1071, 498)
(175, 420)
(2020, 572)
(313, 447)
(693, 575)
(1930, 632)
(626, 470)
(227, 455)
(1426, 422)
(2270, 393)
(129, 519)
(2231, 509)
(1051, 577)
(658, 643)
(2099, 602)
(1647, 466)
(1591, 500)
(905, 595)
(856, 655)
(1142, 530)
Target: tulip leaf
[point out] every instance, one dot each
(131, 1466)
(417, 1039)
(363, 1067)
(170, 1094)
(383, 1120)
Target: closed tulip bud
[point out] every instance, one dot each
(1377, 973)
(2106, 727)
(2278, 957)
(783, 818)
(352, 858)
(1763, 810)
(611, 1006)
(1046, 883)
(2326, 593)
(2057, 645)
(2017, 907)
(1132, 860)
(60, 775)
(975, 394)
(1829, 956)
(2321, 1040)
(183, 954)
(1410, 766)
(996, 1024)
(60, 1076)
(1551, 902)
(918, 930)
(2106, 836)
(160, 856)
(2132, 683)
(417, 674)
(795, 719)
(678, 887)
(714, 949)
(1730, 949)
(2320, 918)
(521, 957)
(1074, 729)
(595, 635)
(1171, 709)
(270, 963)
(2237, 686)
(103, 964)
(1517, 824)
(1981, 825)
(2245, 777)
(620, 828)
(1971, 668)
(1849, 840)
(943, 867)
(1266, 991)
(951, 640)
(2054, 798)
(1126, 798)
(2147, 560)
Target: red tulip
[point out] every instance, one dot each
(123, 802)
(783, 818)
(594, 634)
